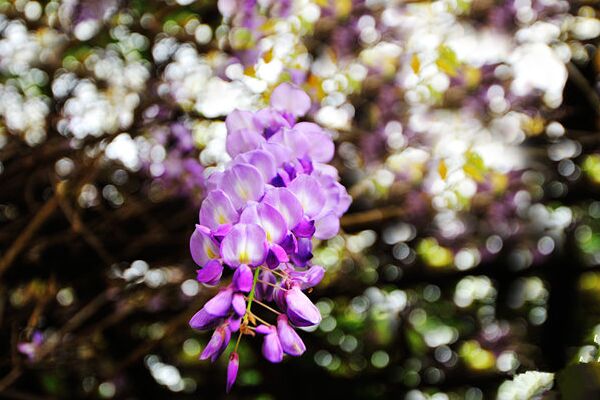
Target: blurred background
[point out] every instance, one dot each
(467, 133)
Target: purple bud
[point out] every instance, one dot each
(242, 278)
(232, 370)
(300, 310)
(291, 343)
(217, 344)
(211, 273)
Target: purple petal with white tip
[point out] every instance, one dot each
(217, 209)
(291, 99)
(268, 218)
(310, 194)
(202, 246)
(288, 205)
(241, 141)
(239, 120)
(261, 160)
(244, 244)
(243, 183)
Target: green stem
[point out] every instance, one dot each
(251, 295)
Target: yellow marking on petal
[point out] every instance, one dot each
(244, 257)
(209, 251)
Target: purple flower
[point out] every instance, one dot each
(259, 218)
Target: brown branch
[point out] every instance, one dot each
(371, 216)
(23, 239)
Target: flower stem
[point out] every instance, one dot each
(251, 295)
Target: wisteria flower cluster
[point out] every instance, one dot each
(259, 218)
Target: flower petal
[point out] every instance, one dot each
(291, 343)
(203, 320)
(268, 218)
(288, 205)
(241, 141)
(242, 278)
(239, 304)
(211, 273)
(291, 99)
(215, 347)
(220, 304)
(242, 183)
(244, 244)
(262, 160)
(310, 194)
(217, 209)
(327, 227)
(271, 348)
(239, 120)
(202, 246)
(320, 144)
